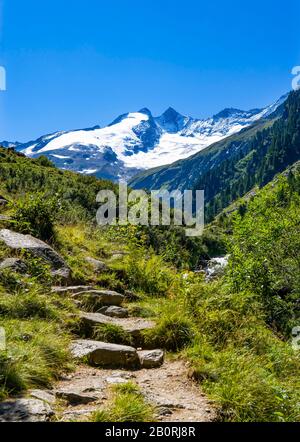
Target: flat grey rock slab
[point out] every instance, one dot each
(114, 311)
(71, 289)
(133, 326)
(25, 410)
(105, 354)
(151, 358)
(43, 395)
(74, 397)
(105, 297)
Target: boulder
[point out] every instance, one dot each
(14, 264)
(105, 297)
(151, 358)
(25, 410)
(38, 248)
(133, 326)
(104, 354)
(98, 266)
(114, 311)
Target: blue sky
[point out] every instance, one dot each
(73, 64)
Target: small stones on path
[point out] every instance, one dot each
(119, 378)
(175, 397)
(151, 358)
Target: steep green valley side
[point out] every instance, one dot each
(231, 167)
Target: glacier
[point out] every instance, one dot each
(137, 141)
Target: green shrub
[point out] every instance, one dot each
(172, 332)
(148, 273)
(265, 253)
(36, 214)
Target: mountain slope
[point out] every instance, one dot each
(137, 141)
(229, 330)
(231, 167)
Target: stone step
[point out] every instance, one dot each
(114, 311)
(133, 326)
(105, 355)
(99, 297)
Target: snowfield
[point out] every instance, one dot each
(137, 141)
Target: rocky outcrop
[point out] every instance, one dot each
(25, 410)
(104, 354)
(13, 264)
(38, 248)
(151, 358)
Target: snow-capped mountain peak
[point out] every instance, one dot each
(137, 140)
(171, 121)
